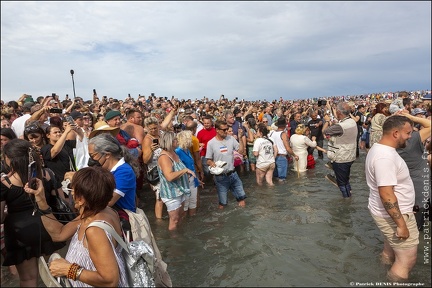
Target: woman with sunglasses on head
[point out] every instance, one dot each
(36, 136)
(25, 237)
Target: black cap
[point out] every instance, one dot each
(76, 114)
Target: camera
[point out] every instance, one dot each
(56, 110)
(70, 120)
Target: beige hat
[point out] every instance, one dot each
(101, 127)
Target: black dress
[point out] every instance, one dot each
(25, 235)
(63, 162)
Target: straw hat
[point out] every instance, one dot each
(101, 127)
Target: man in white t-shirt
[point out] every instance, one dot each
(391, 197)
(18, 124)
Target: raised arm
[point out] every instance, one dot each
(58, 231)
(425, 133)
(58, 146)
(167, 119)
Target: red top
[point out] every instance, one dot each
(204, 136)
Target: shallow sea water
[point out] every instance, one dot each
(298, 233)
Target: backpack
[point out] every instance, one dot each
(138, 256)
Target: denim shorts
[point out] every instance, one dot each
(173, 203)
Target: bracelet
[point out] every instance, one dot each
(78, 274)
(45, 212)
(72, 273)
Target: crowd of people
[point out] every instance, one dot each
(103, 151)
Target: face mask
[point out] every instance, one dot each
(93, 163)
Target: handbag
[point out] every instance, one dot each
(46, 276)
(61, 209)
(138, 256)
(153, 176)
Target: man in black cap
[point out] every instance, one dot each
(78, 118)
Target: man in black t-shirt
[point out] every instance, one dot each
(315, 126)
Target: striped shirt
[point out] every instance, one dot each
(79, 254)
(177, 187)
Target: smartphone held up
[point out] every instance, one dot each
(32, 183)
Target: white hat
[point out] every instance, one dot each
(220, 163)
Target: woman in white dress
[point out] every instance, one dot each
(299, 144)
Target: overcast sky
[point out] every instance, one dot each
(249, 50)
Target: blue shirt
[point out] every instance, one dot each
(125, 180)
(186, 158)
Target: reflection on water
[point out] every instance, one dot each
(299, 233)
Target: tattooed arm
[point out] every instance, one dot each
(390, 202)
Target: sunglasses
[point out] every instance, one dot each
(225, 130)
(32, 129)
